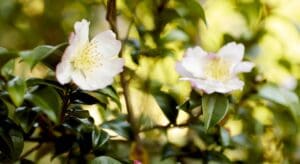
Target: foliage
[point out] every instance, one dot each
(42, 119)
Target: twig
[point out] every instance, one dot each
(162, 127)
(31, 150)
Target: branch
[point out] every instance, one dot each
(164, 127)
(30, 151)
(111, 17)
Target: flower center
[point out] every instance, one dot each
(88, 58)
(217, 69)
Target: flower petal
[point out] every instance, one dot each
(81, 32)
(182, 71)
(63, 72)
(211, 86)
(243, 67)
(77, 40)
(232, 52)
(194, 61)
(114, 66)
(99, 79)
(80, 79)
(106, 44)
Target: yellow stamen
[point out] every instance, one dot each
(217, 69)
(88, 58)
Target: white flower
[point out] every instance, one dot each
(90, 64)
(212, 72)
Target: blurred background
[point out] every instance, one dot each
(269, 29)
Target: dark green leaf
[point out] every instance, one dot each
(167, 104)
(99, 139)
(26, 117)
(111, 92)
(104, 160)
(48, 100)
(120, 126)
(5, 56)
(16, 89)
(36, 81)
(169, 151)
(215, 107)
(39, 53)
(11, 141)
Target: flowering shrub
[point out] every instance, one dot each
(143, 89)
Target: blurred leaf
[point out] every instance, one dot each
(191, 9)
(225, 136)
(120, 126)
(169, 151)
(167, 104)
(3, 110)
(36, 81)
(112, 93)
(5, 56)
(63, 144)
(26, 117)
(82, 97)
(215, 107)
(104, 160)
(281, 96)
(218, 157)
(16, 89)
(193, 102)
(99, 139)
(49, 102)
(11, 141)
(175, 35)
(77, 112)
(39, 53)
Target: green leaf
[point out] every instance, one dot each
(5, 56)
(99, 139)
(281, 96)
(191, 9)
(170, 150)
(16, 89)
(39, 53)
(49, 102)
(120, 126)
(111, 93)
(215, 107)
(26, 117)
(167, 104)
(104, 160)
(11, 141)
(36, 81)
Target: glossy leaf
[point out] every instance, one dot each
(39, 53)
(111, 93)
(50, 83)
(11, 141)
(120, 126)
(104, 160)
(26, 117)
(99, 139)
(215, 107)
(16, 89)
(48, 100)
(167, 104)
